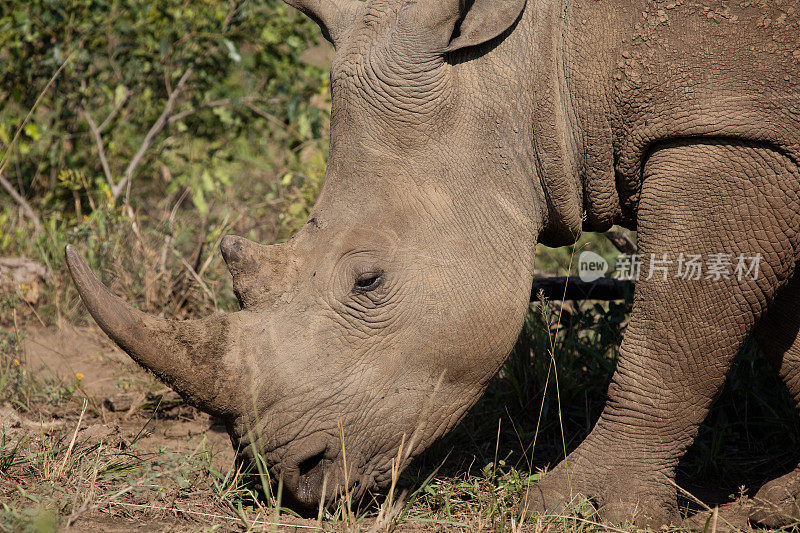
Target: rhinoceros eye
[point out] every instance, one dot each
(368, 281)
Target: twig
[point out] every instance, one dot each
(100, 149)
(155, 129)
(33, 309)
(23, 203)
(264, 114)
(26, 207)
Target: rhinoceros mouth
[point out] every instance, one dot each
(316, 474)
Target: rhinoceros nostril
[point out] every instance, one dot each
(311, 478)
(308, 465)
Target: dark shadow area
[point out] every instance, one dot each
(751, 435)
(520, 417)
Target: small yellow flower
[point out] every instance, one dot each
(79, 376)
(86, 218)
(16, 362)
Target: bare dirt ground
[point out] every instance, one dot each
(143, 440)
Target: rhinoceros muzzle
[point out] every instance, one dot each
(201, 360)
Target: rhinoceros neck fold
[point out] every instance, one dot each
(554, 141)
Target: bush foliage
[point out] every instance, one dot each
(122, 61)
(241, 150)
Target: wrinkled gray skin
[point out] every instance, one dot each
(462, 134)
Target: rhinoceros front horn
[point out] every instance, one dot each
(194, 357)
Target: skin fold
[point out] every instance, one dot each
(463, 133)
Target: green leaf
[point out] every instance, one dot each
(119, 94)
(224, 115)
(199, 201)
(32, 131)
(296, 208)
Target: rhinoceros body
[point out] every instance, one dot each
(463, 133)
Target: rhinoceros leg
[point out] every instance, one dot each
(701, 198)
(777, 503)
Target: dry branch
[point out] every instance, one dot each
(100, 148)
(263, 114)
(23, 204)
(155, 129)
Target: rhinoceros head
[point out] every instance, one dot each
(380, 322)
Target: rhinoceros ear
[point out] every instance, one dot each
(456, 24)
(332, 16)
(484, 20)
